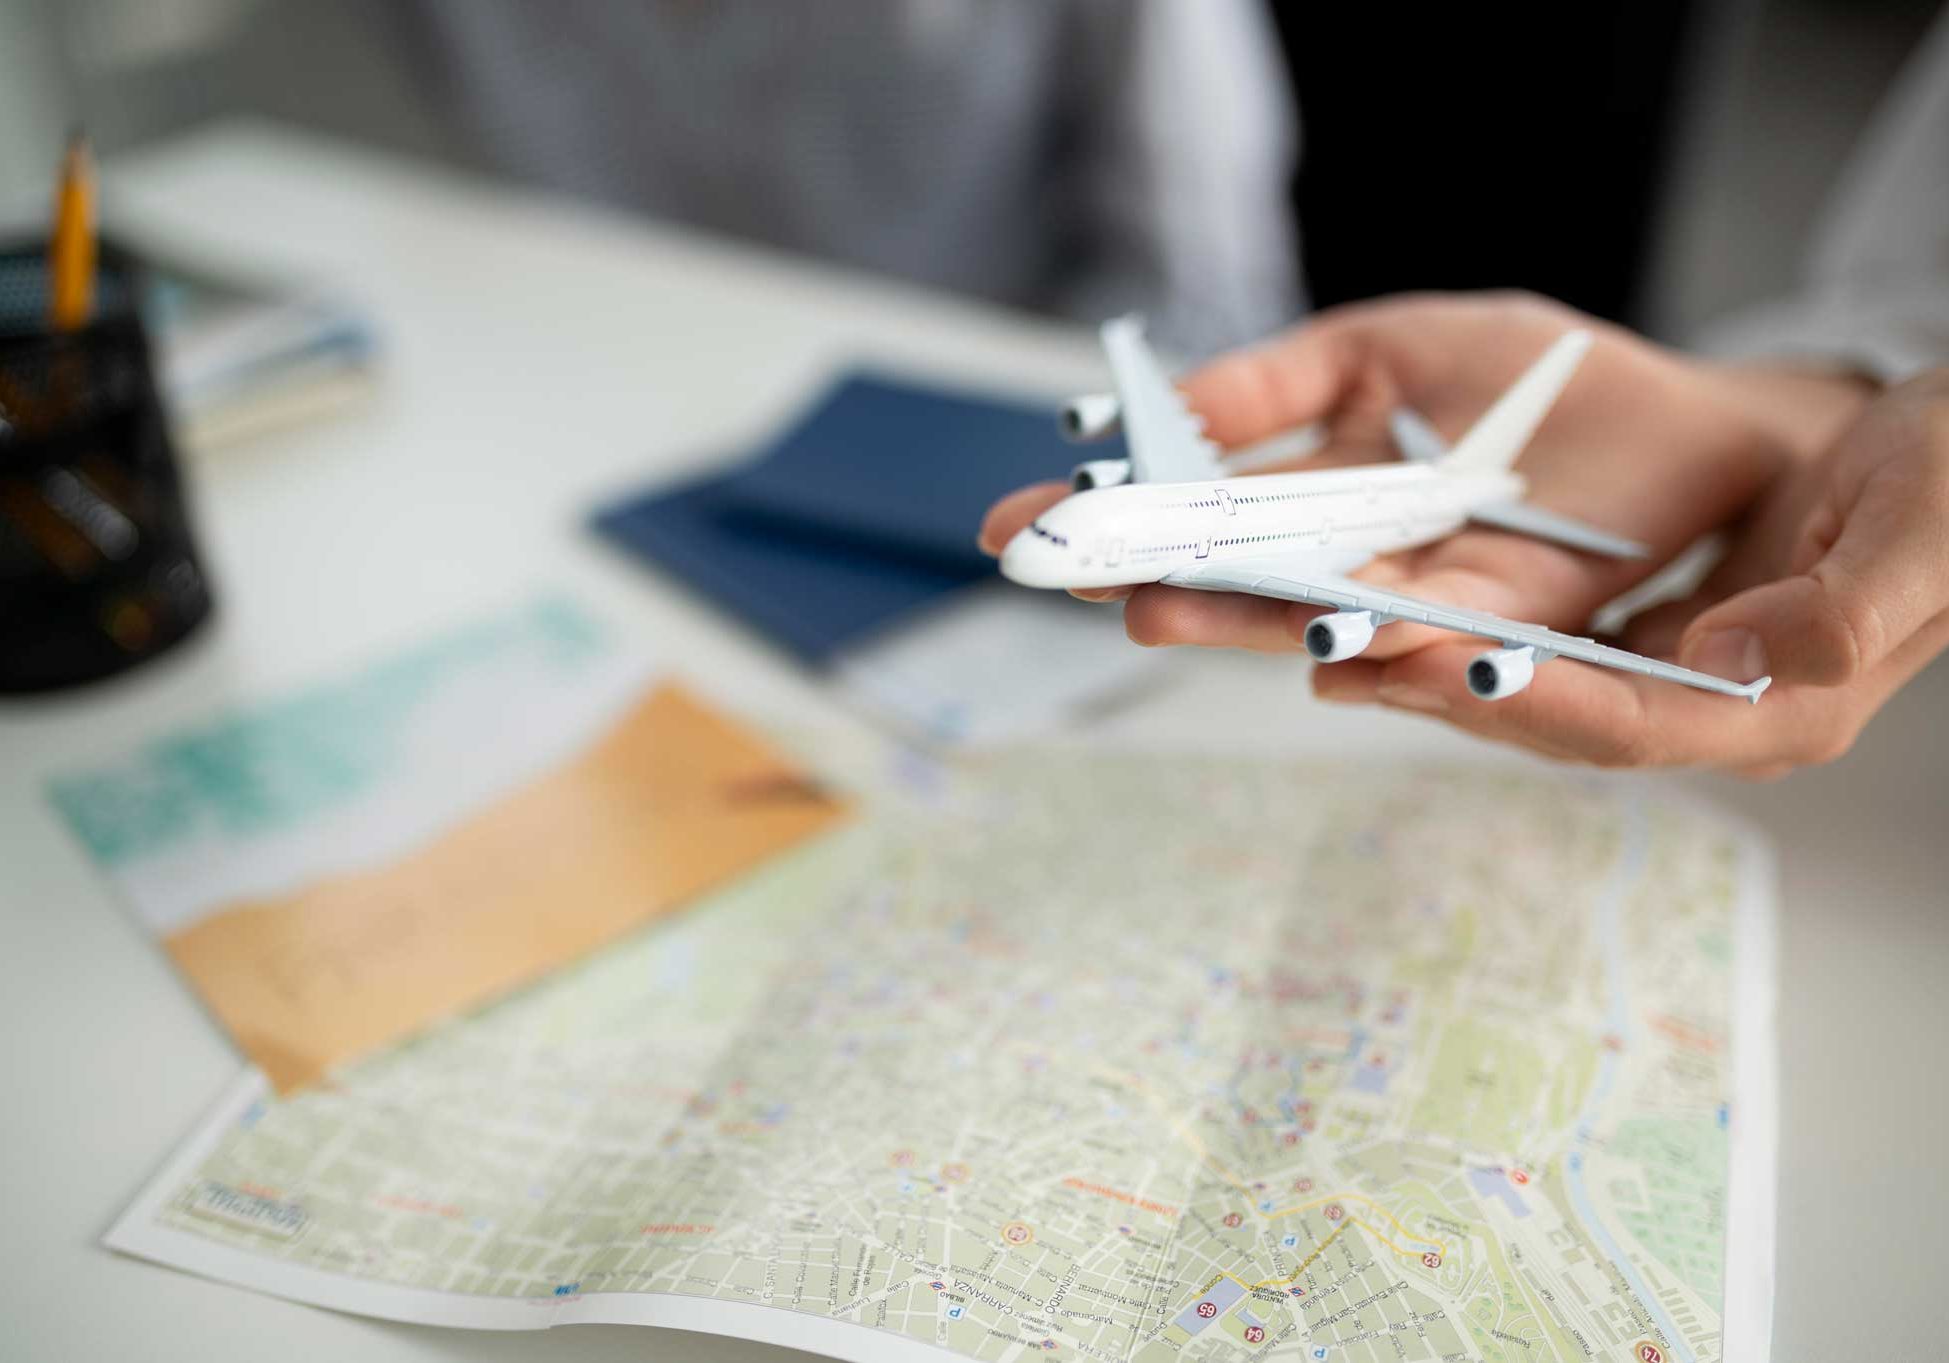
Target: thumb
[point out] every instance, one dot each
(1795, 630)
(1877, 572)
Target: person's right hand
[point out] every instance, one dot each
(1643, 442)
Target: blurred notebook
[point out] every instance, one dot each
(243, 354)
(849, 542)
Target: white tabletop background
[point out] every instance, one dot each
(540, 356)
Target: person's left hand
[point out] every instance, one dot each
(1837, 585)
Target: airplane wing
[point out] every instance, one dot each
(1167, 443)
(1294, 578)
(1535, 521)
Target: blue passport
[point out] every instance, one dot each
(861, 513)
(908, 466)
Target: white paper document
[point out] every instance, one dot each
(1122, 1059)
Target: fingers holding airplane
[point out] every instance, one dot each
(1159, 616)
(1156, 616)
(1656, 632)
(1325, 370)
(1837, 587)
(1494, 592)
(1812, 582)
(1860, 554)
(1576, 713)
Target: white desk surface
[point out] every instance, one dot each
(540, 356)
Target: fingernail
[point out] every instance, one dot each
(1101, 593)
(1735, 654)
(983, 543)
(1410, 696)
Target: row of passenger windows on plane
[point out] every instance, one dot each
(1152, 550)
(1266, 539)
(1256, 498)
(1337, 528)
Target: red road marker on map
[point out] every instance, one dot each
(1255, 1334)
(1431, 1259)
(1334, 1211)
(1207, 1309)
(1233, 1218)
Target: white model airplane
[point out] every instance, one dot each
(1169, 513)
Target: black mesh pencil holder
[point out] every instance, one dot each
(98, 570)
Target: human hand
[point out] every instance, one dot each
(1643, 442)
(1837, 584)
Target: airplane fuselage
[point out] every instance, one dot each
(1136, 533)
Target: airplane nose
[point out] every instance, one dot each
(1030, 561)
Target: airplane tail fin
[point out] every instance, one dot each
(1500, 434)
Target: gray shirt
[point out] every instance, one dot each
(1080, 156)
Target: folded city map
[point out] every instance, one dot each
(1131, 1059)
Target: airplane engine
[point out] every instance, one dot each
(1100, 473)
(1339, 635)
(1501, 672)
(1094, 416)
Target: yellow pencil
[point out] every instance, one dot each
(72, 253)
